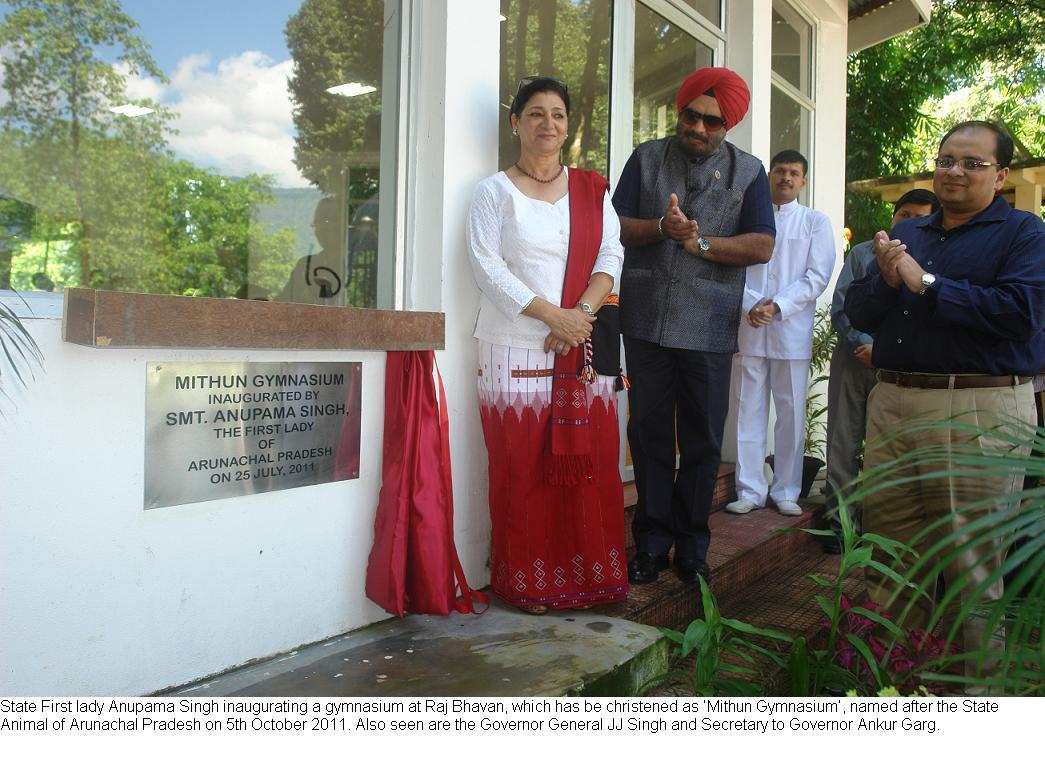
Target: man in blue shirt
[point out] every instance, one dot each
(852, 377)
(956, 302)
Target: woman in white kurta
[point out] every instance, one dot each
(553, 545)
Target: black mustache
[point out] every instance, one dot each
(695, 136)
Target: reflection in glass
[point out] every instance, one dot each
(788, 126)
(664, 56)
(571, 42)
(792, 43)
(709, 9)
(245, 164)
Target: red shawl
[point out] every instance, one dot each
(569, 461)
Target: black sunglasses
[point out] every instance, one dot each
(527, 81)
(711, 123)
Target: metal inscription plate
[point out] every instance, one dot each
(215, 430)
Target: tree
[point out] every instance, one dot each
(111, 207)
(891, 84)
(333, 42)
(211, 238)
(338, 145)
(570, 41)
(1022, 112)
(60, 93)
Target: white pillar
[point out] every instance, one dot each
(749, 28)
(457, 71)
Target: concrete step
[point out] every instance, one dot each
(501, 653)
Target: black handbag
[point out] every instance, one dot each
(605, 342)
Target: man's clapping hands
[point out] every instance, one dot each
(896, 264)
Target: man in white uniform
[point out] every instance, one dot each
(776, 342)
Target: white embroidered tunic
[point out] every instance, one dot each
(518, 248)
(803, 259)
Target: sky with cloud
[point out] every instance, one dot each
(228, 65)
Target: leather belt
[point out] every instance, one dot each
(949, 382)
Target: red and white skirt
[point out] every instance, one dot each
(558, 546)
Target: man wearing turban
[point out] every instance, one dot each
(695, 211)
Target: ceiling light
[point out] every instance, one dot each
(351, 89)
(131, 110)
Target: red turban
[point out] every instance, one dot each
(730, 92)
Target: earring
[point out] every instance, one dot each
(515, 132)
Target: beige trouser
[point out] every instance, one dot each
(903, 509)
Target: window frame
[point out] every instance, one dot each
(786, 88)
(88, 314)
(622, 65)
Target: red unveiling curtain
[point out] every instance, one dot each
(413, 565)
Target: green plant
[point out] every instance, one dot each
(863, 650)
(825, 668)
(824, 340)
(20, 352)
(724, 658)
(1014, 524)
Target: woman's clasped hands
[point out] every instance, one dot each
(569, 328)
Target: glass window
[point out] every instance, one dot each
(790, 110)
(792, 43)
(234, 149)
(789, 124)
(709, 9)
(571, 42)
(664, 56)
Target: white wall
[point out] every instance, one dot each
(98, 596)
(829, 135)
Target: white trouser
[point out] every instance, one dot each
(754, 378)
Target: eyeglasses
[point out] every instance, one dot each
(527, 81)
(711, 123)
(967, 164)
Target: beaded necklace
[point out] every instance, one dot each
(538, 179)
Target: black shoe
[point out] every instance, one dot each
(831, 544)
(645, 567)
(689, 570)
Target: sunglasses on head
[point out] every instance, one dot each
(527, 81)
(690, 118)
